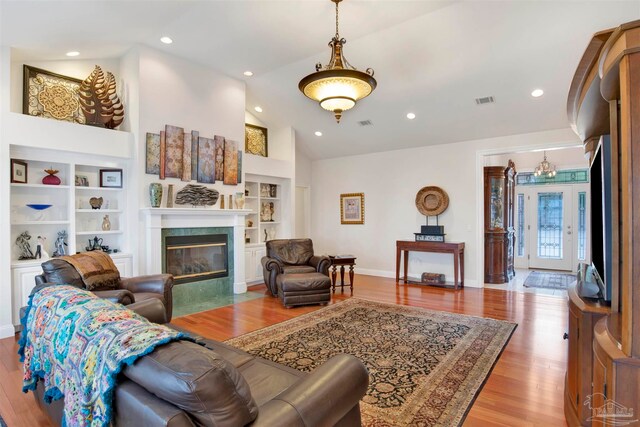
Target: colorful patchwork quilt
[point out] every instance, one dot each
(77, 344)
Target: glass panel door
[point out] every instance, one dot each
(552, 238)
(550, 213)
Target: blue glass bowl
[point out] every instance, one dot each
(39, 207)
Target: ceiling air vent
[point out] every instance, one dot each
(485, 100)
(365, 123)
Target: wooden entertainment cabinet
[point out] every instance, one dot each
(603, 373)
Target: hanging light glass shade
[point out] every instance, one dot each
(339, 85)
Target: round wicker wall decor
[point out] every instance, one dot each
(432, 200)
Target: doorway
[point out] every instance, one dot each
(551, 227)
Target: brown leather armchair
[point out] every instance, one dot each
(291, 256)
(129, 290)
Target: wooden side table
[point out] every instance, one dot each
(456, 249)
(342, 260)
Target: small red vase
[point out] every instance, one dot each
(51, 179)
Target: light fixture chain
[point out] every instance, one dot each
(337, 33)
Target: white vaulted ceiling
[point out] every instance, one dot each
(432, 58)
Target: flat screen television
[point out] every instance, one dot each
(601, 224)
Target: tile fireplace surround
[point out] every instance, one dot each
(158, 218)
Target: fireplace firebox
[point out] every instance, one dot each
(196, 258)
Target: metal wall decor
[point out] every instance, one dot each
(51, 95)
(431, 201)
(174, 153)
(99, 101)
(256, 140)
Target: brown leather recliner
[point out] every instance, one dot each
(291, 256)
(129, 290)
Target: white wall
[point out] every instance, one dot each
(565, 158)
(177, 92)
(390, 181)
(303, 169)
(6, 325)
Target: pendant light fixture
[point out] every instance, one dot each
(545, 168)
(339, 85)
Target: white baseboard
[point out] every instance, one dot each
(7, 331)
(379, 273)
(392, 275)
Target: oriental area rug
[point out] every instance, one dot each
(425, 367)
(539, 279)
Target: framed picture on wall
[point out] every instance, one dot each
(111, 178)
(256, 140)
(352, 208)
(18, 171)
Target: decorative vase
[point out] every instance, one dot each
(222, 201)
(106, 223)
(51, 178)
(230, 201)
(170, 196)
(155, 194)
(239, 201)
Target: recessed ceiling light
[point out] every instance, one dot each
(248, 73)
(258, 108)
(166, 40)
(73, 53)
(318, 133)
(411, 116)
(537, 93)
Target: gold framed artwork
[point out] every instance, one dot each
(352, 208)
(51, 95)
(256, 140)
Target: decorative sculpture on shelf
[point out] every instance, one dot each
(25, 247)
(197, 195)
(41, 253)
(98, 100)
(60, 244)
(95, 202)
(265, 212)
(95, 244)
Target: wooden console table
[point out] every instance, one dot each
(456, 249)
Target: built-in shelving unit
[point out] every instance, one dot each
(263, 206)
(69, 209)
(71, 149)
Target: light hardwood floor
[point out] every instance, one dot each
(525, 387)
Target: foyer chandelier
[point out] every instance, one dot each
(545, 168)
(339, 85)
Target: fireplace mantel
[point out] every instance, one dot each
(158, 218)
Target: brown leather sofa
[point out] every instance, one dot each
(129, 290)
(291, 256)
(184, 384)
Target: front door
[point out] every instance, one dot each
(551, 233)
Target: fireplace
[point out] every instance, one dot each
(194, 258)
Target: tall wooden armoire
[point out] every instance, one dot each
(499, 231)
(603, 373)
